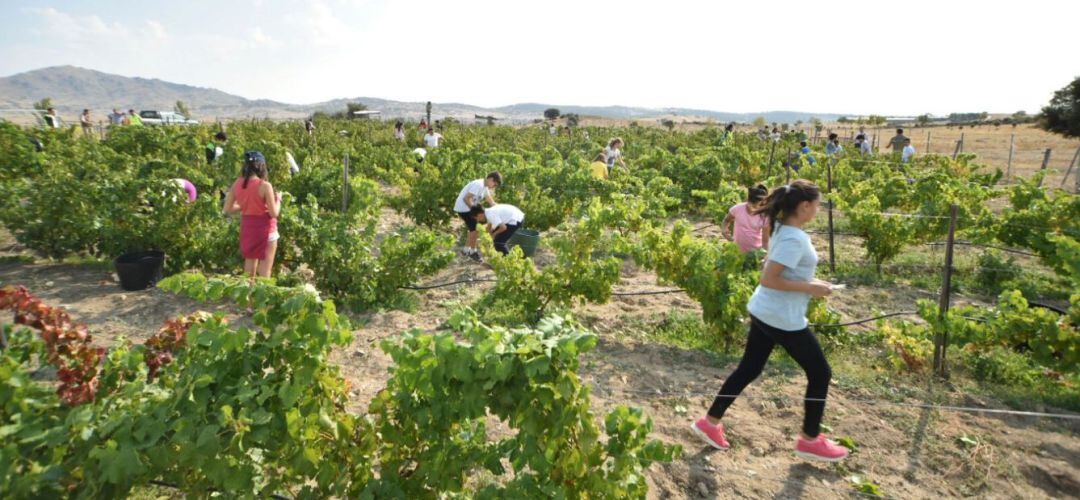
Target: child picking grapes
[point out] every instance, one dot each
(778, 316)
(742, 225)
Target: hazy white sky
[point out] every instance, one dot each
(907, 57)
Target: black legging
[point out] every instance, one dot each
(503, 237)
(803, 347)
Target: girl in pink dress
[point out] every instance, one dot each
(255, 199)
(749, 231)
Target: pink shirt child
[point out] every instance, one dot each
(748, 228)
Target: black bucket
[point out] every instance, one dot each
(140, 270)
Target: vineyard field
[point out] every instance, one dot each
(621, 328)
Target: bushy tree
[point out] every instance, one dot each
(43, 104)
(551, 113)
(1062, 115)
(182, 108)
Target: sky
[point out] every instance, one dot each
(851, 57)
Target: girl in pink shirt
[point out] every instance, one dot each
(748, 230)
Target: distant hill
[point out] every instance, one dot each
(72, 89)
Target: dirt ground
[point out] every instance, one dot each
(908, 452)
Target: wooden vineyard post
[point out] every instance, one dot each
(345, 185)
(941, 337)
(1012, 150)
(1070, 169)
(832, 252)
(927, 142)
(1045, 163)
(962, 142)
(959, 147)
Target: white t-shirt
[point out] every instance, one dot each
(432, 140)
(502, 213)
(792, 248)
(909, 151)
(865, 147)
(478, 190)
(293, 167)
(612, 156)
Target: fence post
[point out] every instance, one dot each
(1012, 150)
(1045, 163)
(941, 337)
(345, 186)
(961, 142)
(927, 142)
(956, 151)
(828, 186)
(1069, 170)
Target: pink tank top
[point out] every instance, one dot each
(249, 199)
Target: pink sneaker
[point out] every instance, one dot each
(712, 434)
(820, 448)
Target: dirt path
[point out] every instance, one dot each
(910, 453)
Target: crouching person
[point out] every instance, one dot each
(502, 222)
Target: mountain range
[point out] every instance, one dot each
(72, 89)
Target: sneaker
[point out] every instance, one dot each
(476, 258)
(712, 434)
(820, 448)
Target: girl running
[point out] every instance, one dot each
(255, 198)
(744, 226)
(778, 316)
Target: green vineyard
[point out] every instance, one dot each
(493, 403)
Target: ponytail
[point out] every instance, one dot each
(784, 200)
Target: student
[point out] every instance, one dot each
(775, 135)
(254, 197)
(613, 153)
(778, 316)
(804, 149)
(294, 168)
(599, 167)
(86, 122)
(833, 147)
(897, 142)
(399, 131)
(309, 126)
(745, 225)
(472, 195)
(116, 118)
(215, 149)
(502, 222)
(189, 188)
(133, 118)
(908, 151)
(51, 118)
(432, 138)
(861, 144)
(423, 124)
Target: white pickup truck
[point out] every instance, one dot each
(165, 118)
